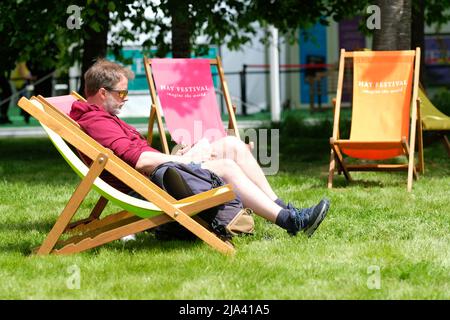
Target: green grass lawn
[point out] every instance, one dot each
(378, 241)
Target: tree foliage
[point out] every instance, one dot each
(234, 22)
(30, 30)
(36, 30)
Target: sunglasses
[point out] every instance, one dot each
(122, 93)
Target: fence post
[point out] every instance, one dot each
(243, 77)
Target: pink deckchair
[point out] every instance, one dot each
(188, 100)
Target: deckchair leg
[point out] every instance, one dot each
(421, 166)
(107, 234)
(114, 232)
(151, 122)
(340, 160)
(446, 144)
(98, 223)
(339, 169)
(99, 207)
(410, 180)
(73, 204)
(124, 227)
(331, 169)
(412, 173)
(154, 114)
(117, 225)
(162, 131)
(342, 165)
(415, 118)
(95, 214)
(230, 122)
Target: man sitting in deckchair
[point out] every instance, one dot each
(106, 89)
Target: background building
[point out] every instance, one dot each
(302, 84)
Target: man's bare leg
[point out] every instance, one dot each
(251, 195)
(293, 220)
(233, 148)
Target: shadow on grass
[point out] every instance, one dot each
(24, 247)
(44, 227)
(340, 183)
(344, 184)
(388, 180)
(27, 247)
(27, 149)
(145, 240)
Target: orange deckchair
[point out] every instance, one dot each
(183, 89)
(433, 120)
(384, 112)
(137, 215)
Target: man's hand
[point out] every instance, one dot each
(181, 149)
(200, 152)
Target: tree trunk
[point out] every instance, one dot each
(418, 33)
(181, 28)
(395, 31)
(94, 43)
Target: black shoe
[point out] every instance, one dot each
(308, 219)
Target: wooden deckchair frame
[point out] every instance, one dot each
(155, 114)
(93, 231)
(336, 155)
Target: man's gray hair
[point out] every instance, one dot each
(104, 74)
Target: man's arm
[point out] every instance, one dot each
(148, 161)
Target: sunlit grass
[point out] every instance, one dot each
(378, 241)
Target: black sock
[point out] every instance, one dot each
(284, 219)
(281, 203)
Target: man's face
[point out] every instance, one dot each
(116, 97)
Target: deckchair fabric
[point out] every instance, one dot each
(139, 215)
(182, 90)
(384, 112)
(63, 103)
(186, 92)
(381, 103)
(432, 118)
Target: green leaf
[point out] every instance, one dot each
(111, 6)
(97, 27)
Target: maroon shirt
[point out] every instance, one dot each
(112, 133)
